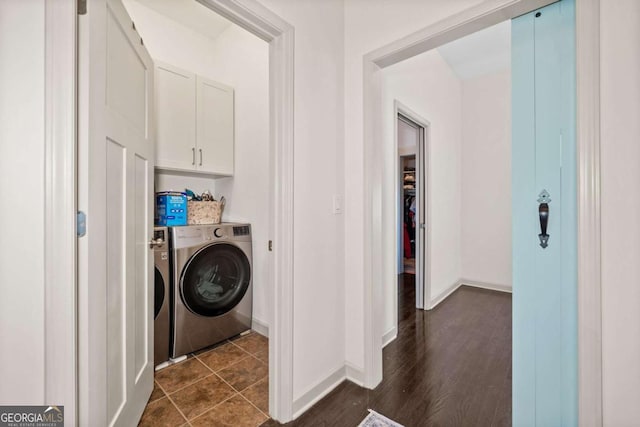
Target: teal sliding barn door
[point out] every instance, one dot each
(545, 388)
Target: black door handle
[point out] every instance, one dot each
(543, 213)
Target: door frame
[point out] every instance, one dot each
(60, 281)
(588, 134)
(423, 246)
(65, 374)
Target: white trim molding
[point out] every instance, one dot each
(317, 392)
(354, 374)
(373, 222)
(464, 282)
(589, 245)
(471, 20)
(443, 295)
(389, 336)
(486, 285)
(260, 327)
(60, 208)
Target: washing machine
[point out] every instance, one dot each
(162, 303)
(212, 289)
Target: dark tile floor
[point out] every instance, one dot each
(450, 366)
(224, 386)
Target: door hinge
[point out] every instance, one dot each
(81, 224)
(270, 245)
(82, 7)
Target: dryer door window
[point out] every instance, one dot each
(215, 279)
(159, 292)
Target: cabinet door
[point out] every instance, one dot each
(176, 118)
(215, 132)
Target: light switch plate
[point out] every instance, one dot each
(337, 205)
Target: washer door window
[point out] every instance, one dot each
(215, 279)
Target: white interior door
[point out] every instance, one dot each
(116, 152)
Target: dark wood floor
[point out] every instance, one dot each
(450, 366)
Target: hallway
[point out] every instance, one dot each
(448, 366)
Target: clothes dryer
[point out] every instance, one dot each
(212, 266)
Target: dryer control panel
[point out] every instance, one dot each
(241, 230)
(195, 235)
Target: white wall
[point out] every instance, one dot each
(242, 61)
(165, 181)
(486, 179)
(318, 340)
(620, 109)
(171, 42)
(427, 85)
(368, 26)
(22, 154)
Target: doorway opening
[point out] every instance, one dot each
(412, 146)
(462, 233)
(212, 136)
(463, 87)
(377, 260)
(123, 400)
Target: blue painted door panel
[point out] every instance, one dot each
(544, 159)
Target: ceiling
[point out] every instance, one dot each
(481, 53)
(475, 55)
(191, 14)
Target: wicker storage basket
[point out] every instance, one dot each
(204, 212)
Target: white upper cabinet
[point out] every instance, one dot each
(175, 118)
(214, 131)
(195, 123)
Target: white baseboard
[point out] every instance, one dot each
(354, 374)
(324, 387)
(443, 295)
(467, 282)
(485, 285)
(320, 390)
(391, 335)
(260, 327)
